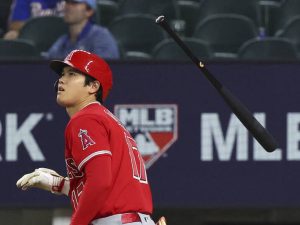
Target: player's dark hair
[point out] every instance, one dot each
(89, 80)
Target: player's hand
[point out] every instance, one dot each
(43, 178)
(161, 221)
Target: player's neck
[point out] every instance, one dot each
(72, 110)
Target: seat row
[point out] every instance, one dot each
(268, 49)
(224, 33)
(269, 16)
(183, 14)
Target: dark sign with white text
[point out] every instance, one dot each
(197, 152)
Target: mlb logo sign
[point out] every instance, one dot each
(154, 127)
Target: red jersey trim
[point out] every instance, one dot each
(102, 152)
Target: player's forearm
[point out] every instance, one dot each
(94, 192)
(89, 204)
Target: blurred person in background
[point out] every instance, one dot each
(22, 10)
(83, 33)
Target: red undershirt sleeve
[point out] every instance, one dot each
(98, 183)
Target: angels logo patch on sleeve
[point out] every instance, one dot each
(86, 140)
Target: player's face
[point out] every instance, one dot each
(76, 13)
(72, 90)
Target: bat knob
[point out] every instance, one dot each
(160, 19)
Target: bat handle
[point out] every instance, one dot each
(162, 22)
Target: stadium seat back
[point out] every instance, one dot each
(169, 50)
(43, 31)
(17, 50)
(268, 49)
(226, 33)
(136, 32)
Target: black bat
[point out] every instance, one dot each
(238, 108)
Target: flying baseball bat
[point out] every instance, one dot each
(238, 108)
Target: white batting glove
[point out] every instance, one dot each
(161, 221)
(45, 179)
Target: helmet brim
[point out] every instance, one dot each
(57, 66)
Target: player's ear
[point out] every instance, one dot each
(94, 86)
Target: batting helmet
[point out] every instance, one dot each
(89, 64)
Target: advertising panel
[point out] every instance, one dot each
(197, 152)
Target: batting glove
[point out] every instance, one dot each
(161, 221)
(45, 179)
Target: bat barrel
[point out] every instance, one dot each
(261, 134)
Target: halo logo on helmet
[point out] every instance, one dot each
(87, 63)
(69, 56)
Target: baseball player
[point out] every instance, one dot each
(107, 181)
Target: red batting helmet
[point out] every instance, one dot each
(89, 64)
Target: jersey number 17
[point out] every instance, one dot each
(137, 162)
